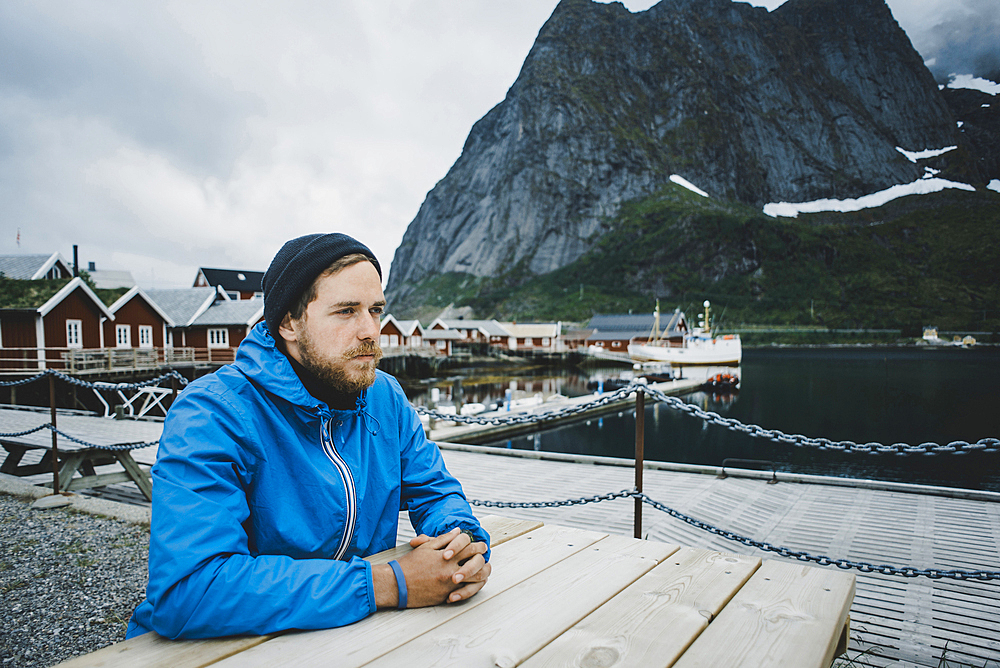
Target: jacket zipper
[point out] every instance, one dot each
(345, 475)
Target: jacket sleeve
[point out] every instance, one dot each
(203, 579)
(432, 496)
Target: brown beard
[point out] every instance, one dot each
(335, 375)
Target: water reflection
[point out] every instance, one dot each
(859, 394)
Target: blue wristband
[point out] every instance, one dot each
(400, 583)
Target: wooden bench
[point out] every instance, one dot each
(77, 462)
(566, 597)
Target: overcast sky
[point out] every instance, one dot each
(164, 136)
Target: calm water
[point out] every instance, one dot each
(911, 395)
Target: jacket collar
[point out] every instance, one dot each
(259, 359)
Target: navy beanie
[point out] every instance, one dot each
(297, 265)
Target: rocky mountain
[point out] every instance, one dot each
(806, 102)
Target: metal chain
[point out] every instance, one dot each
(98, 385)
(528, 418)
(29, 431)
(823, 560)
(778, 436)
(118, 447)
(991, 445)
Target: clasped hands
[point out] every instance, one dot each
(447, 568)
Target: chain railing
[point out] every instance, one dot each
(800, 555)
(955, 447)
(94, 385)
(991, 445)
(119, 447)
(52, 375)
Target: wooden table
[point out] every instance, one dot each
(566, 597)
(74, 458)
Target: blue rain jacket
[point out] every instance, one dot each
(265, 500)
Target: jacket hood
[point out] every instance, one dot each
(259, 359)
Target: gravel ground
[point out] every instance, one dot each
(68, 581)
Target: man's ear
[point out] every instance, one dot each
(288, 329)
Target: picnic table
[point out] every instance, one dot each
(561, 596)
(77, 462)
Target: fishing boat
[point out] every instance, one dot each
(697, 346)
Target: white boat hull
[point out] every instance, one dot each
(722, 351)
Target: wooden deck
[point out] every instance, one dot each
(900, 621)
(907, 621)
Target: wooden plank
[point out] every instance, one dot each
(155, 651)
(89, 481)
(682, 594)
(544, 606)
(513, 561)
(785, 615)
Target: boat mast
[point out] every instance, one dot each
(656, 322)
(706, 326)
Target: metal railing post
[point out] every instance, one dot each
(640, 427)
(55, 437)
(173, 393)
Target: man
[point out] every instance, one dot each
(277, 473)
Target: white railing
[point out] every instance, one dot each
(83, 360)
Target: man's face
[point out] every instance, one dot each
(337, 336)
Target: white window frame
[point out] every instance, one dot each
(74, 333)
(218, 337)
(169, 342)
(145, 336)
(123, 336)
(383, 340)
(393, 340)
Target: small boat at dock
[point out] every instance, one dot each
(721, 383)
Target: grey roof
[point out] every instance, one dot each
(491, 327)
(181, 304)
(620, 323)
(632, 325)
(232, 312)
(442, 334)
(27, 267)
(409, 327)
(110, 279)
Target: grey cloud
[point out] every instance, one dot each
(133, 70)
(967, 42)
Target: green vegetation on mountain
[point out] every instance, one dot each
(921, 260)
